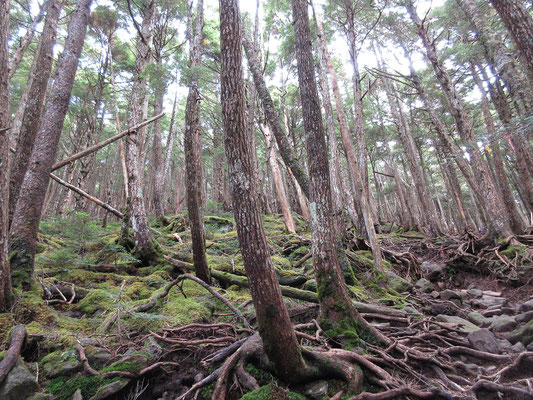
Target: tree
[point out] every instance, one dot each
(23, 233)
(193, 151)
(275, 328)
(5, 276)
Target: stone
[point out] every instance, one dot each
(486, 301)
(503, 323)
(524, 317)
(86, 341)
(431, 270)
(424, 285)
(397, 283)
(449, 294)
(310, 285)
(478, 319)
(41, 396)
(19, 383)
(60, 363)
(518, 347)
(316, 390)
(108, 390)
(505, 345)
(435, 294)
(97, 356)
(475, 293)
(530, 347)
(492, 312)
(527, 306)
(523, 334)
(484, 340)
(464, 325)
(77, 395)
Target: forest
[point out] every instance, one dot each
(277, 199)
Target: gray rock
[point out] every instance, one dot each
(432, 271)
(503, 323)
(397, 283)
(478, 319)
(310, 285)
(484, 340)
(527, 306)
(523, 334)
(475, 293)
(97, 356)
(316, 390)
(505, 345)
(492, 312)
(87, 341)
(41, 396)
(19, 383)
(525, 317)
(109, 390)
(435, 294)
(449, 294)
(77, 395)
(530, 347)
(463, 324)
(60, 363)
(486, 301)
(424, 285)
(518, 347)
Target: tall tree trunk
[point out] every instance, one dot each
(498, 217)
(193, 153)
(144, 246)
(5, 274)
(275, 328)
(31, 118)
(520, 24)
(157, 147)
(23, 234)
(336, 308)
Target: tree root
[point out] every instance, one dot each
(18, 337)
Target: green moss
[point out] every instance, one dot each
(185, 311)
(6, 323)
(512, 251)
(272, 392)
(96, 300)
(63, 388)
(138, 291)
(261, 376)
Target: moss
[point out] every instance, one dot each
(138, 291)
(126, 366)
(261, 376)
(96, 300)
(272, 392)
(281, 262)
(512, 251)
(6, 323)
(63, 388)
(185, 311)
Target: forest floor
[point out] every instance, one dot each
(458, 312)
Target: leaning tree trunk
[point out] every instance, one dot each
(520, 24)
(275, 328)
(337, 311)
(31, 118)
(144, 246)
(23, 234)
(193, 154)
(498, 217)
(5, 275)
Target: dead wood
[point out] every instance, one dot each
(18, 338)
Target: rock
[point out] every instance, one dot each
(486, 301)
(525, 317)
(424, 285)
(60, 363)
(41, 396)
(397, 283)
(97, 356)
(316, 390)
(310, 285)
(475, 293)
(505, 345)
(432, 271)
(518, 347)
(527, 306)
(523, 334)
(77, 395)
(530, 347)
(19, 383)
(108, 390)
(86, 341)
(484, 340)
(449, 294)
(478, 319)
(492, 312)
(503, 323)
(464, 325)
(435, 294)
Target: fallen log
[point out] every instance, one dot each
(18, 337)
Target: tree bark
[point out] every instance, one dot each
(23, 234)
(277, 334)
(193, 153)
(5, 275)
(31, 118)
(144, 246)
(498, 217)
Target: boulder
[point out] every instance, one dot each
(487, 301)
(310, 285)
(60, 363)
(397, 283)
(523, 334)
(424, 285)
(431, 270)
(484, 340)
(524, 317)
(478, 319)
(316, 390)
(527, 306)
(463, 324)
(518, 347)
(503, 323)
(97, 356)
(530, 347)
(19, 384)
(108, 390)
(475, 293)
(450, 294)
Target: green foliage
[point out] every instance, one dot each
(272, 392)
(63, 388)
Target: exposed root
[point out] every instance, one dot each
(18, 338)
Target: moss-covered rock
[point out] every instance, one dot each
(96, 300)
(272, 392)
(60, 363)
